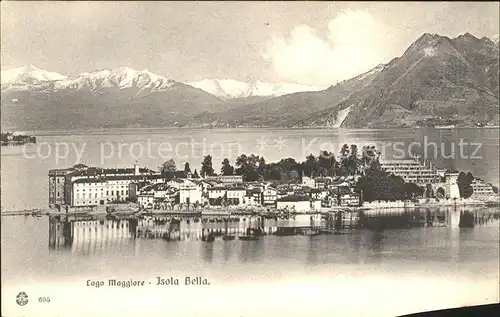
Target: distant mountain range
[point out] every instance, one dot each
(230, 88)
(437, 81)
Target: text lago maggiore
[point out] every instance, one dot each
(167, 281)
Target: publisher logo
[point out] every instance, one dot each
(22, 299)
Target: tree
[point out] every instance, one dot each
(412, 190)
(310, 165)
(429, 192)
(247, 166)
(195, 174)
(344, 164)
(293, 175)
(464, 182)
(262, 168)
(327, 164)
(226, 169)
(206, 166)
(352, 162)
(440, 192)
(168, 166)
(187, 169)
(376, 184)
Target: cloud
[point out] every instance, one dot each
(355, 43)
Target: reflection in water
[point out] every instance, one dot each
(88, 234)
(377, 243)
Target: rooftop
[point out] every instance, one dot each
(294, 198)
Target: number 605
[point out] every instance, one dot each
(44, 299)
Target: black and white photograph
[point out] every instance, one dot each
(249, 158)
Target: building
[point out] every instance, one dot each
(269, 196)
(235, 195)
(190, 193)
(350, 200)
(226, 179)
(226, 195)
(146, 200)
(308, 181)
(83, 186)
(296, 203)
(57, 188)
(411, 171)
(158, 196)
(318, 194)
(481, 190)
(451, 189)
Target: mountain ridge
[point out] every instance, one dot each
(437, 81)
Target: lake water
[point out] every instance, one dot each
(368, 273)
(24, 170)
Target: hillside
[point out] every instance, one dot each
(286, 110)
(118, 98)
(437, 81)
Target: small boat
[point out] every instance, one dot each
(228, 237)
(248, 238)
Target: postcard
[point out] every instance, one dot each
(249, 158)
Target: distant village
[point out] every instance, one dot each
(16, 138)
(352, 179)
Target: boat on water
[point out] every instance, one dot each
(248, 237)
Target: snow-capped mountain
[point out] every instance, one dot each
(28, 76)
(120, 78)
(230, 88)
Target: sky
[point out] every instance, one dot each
(309, 43)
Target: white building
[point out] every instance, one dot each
(270, 195)
(481, 190)
(298, 204)
(94, 191)
(190, 193)
(411, 171)
(226, 179)
(146, 200)
(308, 181)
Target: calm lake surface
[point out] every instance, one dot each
(368, 273)
(24, 170)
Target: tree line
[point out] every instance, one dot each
(374, 182)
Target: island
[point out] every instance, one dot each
(16, 138)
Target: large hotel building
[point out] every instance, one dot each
(411, 171)
(82, 186)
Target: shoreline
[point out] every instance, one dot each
(217, 213)
(84, 131)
